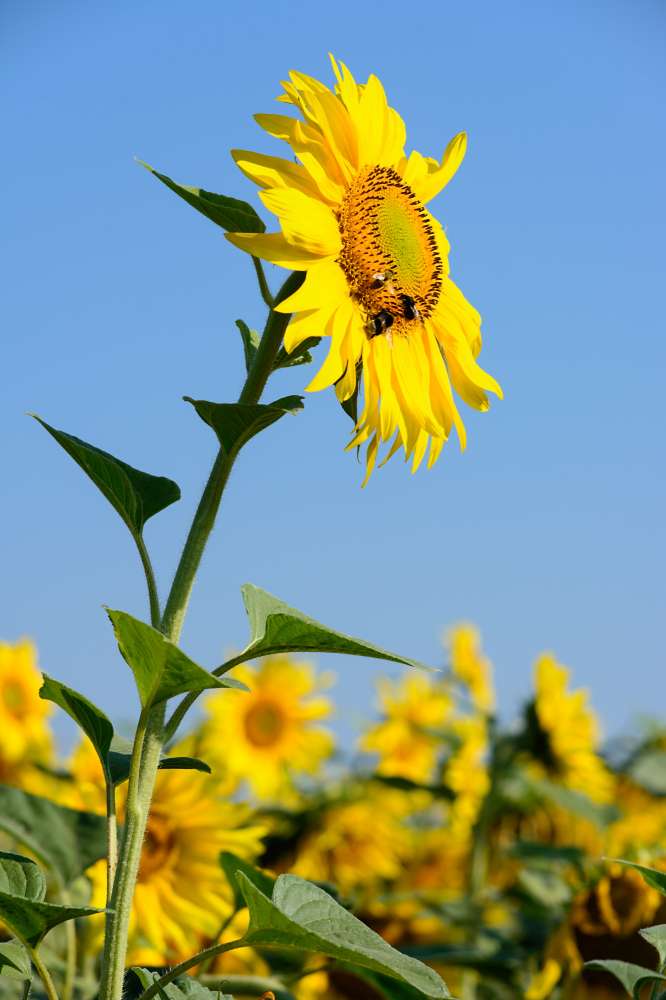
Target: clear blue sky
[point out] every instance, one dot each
(119, 299)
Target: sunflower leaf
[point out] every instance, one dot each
(251, 341)
(14, 961)
(120, 761)
(184, 988)
(236, 423)
(65, 841)
(277, 628)
(387, 986)
(231, 864)
(300, 915)
(22, 906)
(299, 356)
(231, 214)
(652, 876)
(161, 670)
(656, 936)
(91, 719)
(135, 495)
(632, 977)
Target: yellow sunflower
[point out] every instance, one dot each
(412, 708)
(25, 735)
(466, 773)
(182, 896)
(267, 735)
(470, 665)
(572, 731)
(353, 216)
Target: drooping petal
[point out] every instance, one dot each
(324, 284)
(274, 248)
(273, 171)
(428, 184)
(305, 221)
(279, 126)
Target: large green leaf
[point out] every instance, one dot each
(632, 977)
(120, 760)
(135, 495)
(299, 356)
(649, 771)
(231, 864)
(231, 214)
(14, 961)
(652, 876)
(160, 668)
(22, 906)
(387, 986)
(236, 423)
(183, 988)
(91, 719)
(300, 915)
(65, 841)
(657, 937)
(277, 628)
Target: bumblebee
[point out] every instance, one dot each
(409, 309)
(379, 323)
(383, 278)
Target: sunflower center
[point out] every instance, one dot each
(158, 847)
(264, 724)
(389, 251)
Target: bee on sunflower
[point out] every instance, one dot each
(353, 216)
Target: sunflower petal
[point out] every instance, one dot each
(305, 221)
(274, 248)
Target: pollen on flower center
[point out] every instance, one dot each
(389, 249)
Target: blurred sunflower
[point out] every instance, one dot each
(353, 216)
(182, 895)
(470, 666)
(269, 734)
(26, 741)
(357, 844)
(571, 732)
(412, 707)
(466, 773)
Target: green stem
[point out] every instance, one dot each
(172, 974)
(204, 519)
(247, 986)
(27, 983)
(43, 972)
(111, 839)
(205, 965)
(148, 743)
(150, 580)
(263, 284)
(70, 963)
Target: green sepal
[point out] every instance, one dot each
(652, 876)
(632, 977)
(183, 988)
(251, 341)
(656, 936)
(232, 215)
(236, 423)
(161, 670)
(300, 915)
(66, 841)
(22, 906)
(277, 628)
(14, 961)
(299, 356)
(135, 495)
(231, 864)
(350, 406)
(92, 720)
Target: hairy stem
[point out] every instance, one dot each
(70, 961)
(150, 580)
(43, 972)
(263, 284)
(25, 992)
(143, 770)
(172, 974)
(111, 839)
(204, 519)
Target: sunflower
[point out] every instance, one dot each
(571, 731)
(266, 736)
(353, 217)
(466, 773)
(412, 708)
(470, 666)
(182, 896)
(25, 736)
